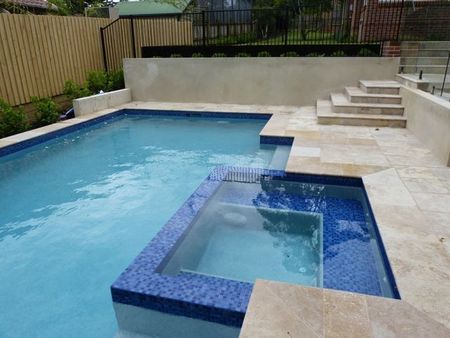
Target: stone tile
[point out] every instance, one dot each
(415, 172)
(440, 223)
(277, 310)
(386, 188)
(425, 185)
(305, 151)
(345, 315)
(393, 318)
(401, 218)
(312, 165)
(425, 287)
(358, 170)
(5, 142)
(433, 202)
(426, 160)
(420, 249)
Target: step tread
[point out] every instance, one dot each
(425, 57)
(380, 84)
(325, 109)
(341, 100)
(425, 66)
(356, 91)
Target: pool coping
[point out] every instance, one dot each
(195, 295)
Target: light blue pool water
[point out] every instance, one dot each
(76, 210)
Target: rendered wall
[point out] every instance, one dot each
(94, 103)
(270, 81)
(429, 119)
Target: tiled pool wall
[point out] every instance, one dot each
(15, 147)
(193, 295)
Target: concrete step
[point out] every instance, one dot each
(426, 44)
(357, 95)
(413, 61)
(424, 52)
(326, 115)
(430, 69)
(342, 105)
(380, 87)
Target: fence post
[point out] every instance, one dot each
(102, 37)
(400, 19)
(445, 75)
(204, 28)
(133, 42)
(286, 21)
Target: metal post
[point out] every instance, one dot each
(102, 36)
(445, 74)
(400, 19)
(286, 22)
(133, 42)
(204, 28)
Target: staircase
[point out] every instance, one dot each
(430, 57)
(372, 104)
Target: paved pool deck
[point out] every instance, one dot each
(409, 190)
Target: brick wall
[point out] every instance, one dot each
(391, 49)
(387, 20)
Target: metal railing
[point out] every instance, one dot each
(445, 75)
(345, 27)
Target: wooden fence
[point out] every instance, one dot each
(39, 53)
(124, 38)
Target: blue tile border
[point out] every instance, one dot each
(130, 112)
(277, 140)
(194, 295)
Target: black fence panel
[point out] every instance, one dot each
(262, 50)
(346, 27)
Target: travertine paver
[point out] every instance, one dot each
(408, 188)
(281, 310)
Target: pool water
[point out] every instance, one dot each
(74, 211)
(269, 227)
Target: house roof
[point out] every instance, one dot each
(34, 4)
(151, 7)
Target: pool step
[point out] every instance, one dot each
(341, 104)
(327, 115)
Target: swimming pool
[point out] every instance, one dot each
(75, 210)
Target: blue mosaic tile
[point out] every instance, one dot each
(225, 301)
(277, 140)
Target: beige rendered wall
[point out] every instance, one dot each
(429, 119)
(272, 81)
(94, 103)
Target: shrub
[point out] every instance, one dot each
(243, 55)
(74, 91)
(291, 54)
(338, 53)
(314, 55)
(197, 55)
(46, 109)
(366, 52)
(12, 121)
(175, 55)
(115, 80)
(219, 55)
(264, 54)
(97, 81)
